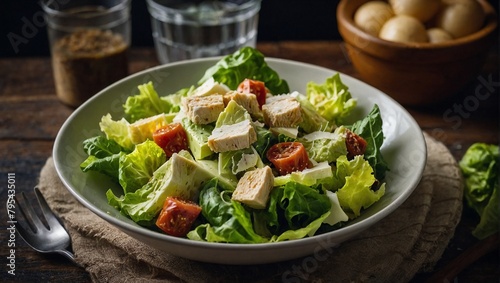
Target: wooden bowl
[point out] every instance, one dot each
(418, 73)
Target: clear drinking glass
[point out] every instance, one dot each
(187, 29)
(89, 42)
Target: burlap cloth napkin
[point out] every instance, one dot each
(409, 240)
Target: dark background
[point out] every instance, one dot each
(279, 20)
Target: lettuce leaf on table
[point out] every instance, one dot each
(480, 168)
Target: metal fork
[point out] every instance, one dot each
(44, 234)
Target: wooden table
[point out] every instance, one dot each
(31, 115)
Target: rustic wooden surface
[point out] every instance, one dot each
(31, 115)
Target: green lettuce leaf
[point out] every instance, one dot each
(300, 233)
(228, 221)
(370, 129)
(246, 63)
(331, 99)
(197, 136)
(356, 180)
(294, 206)
(103, 156)
(137, 167)
(480, 168)
(311, 119)
(146, 104)
(179, 177)
(106, 165)
(226, 179)
(101, 147)
(117, 131)
(232, 114)
(325, 146)
(265, 139)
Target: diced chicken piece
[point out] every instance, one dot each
(232, 137)
(282, 111)
(254, 187)
(246, 100)
(203, 109)
(143, 129)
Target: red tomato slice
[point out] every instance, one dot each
(255, 87)
(355, 144)
(177, 216)
(172, 138)
(288, 157)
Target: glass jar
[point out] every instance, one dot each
(89, 42)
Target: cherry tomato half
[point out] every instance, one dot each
(255, 87)
(172, 138)
(288, 157)
(356, 145)
(177, 216)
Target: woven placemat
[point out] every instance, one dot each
(408, 241)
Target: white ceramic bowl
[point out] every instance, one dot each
(404, 149)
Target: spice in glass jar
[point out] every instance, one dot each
(86, 61)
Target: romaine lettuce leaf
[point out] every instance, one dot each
(137, 167)
(232, 114)
(229, 221)
(117, 131)
(180, 177)
(331, 99)
(311, 119)
(300, 233)
(265, 139)
(294, 206)
(103, 156)
(480, 168)
(227, 180)
(147, 103)
(106, 165)
(325, 146)
(370, 129)
(101, 147)
(356, 180)
(246, 63)
(197, 136)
